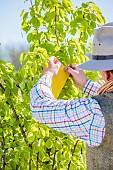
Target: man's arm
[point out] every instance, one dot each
(81, 81)
(91, 88)
(80, 118)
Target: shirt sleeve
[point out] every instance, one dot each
(91, 88)
(81, 118)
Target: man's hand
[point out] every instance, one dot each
(77, 75)
(53, 66)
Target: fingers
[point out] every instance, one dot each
(71, 70)
(53, 60)
(73, 66)
(58, 64)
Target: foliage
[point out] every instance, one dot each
(53, 28)
(11, 53)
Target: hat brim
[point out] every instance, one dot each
(97, 65)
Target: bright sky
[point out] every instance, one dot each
(10, 21)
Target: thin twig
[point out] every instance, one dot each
(2, 87)
(56, 27)
(3, 148)
(73, 153)
(54, 161)
(37, 160)
(15, 115)
(31, 3)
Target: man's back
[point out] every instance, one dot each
(101, 157)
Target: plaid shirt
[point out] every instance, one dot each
(81, 118)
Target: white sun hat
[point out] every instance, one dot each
(101, 58)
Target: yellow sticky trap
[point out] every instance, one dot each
(59, 81)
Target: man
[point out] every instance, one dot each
(86, 118)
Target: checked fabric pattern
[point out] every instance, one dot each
(81, 118)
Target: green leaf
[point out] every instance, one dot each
(29, 37)
(100, 18)
(22, 13)
(93, 24)
(84, 23)
(30, 137)
(41, 156)
(12, 121)
(67, 23)
(96, 8)
(85, 5)
(59, 155)
(62, 13)
(42, 132)
(41, 143)
(49, 144)
(35, 147)
(9, 82)
(94, 17)
(35, 22)
(22, 85)
(10, 66)
(17, 156)
(25, 16)
(3, 68)
(23, 58)
(2, 62)
(58, 144)
(66, 155)
(25, 26)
